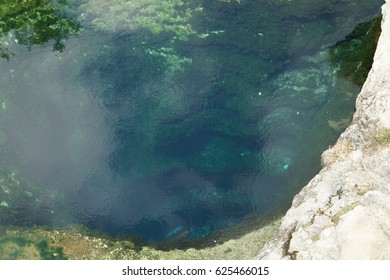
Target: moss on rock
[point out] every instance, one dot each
(353, 56)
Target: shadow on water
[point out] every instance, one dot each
(175, 131)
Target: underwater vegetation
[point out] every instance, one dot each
(35, 23)
(168, 120)
(353, 56)
(77, 242)
(158, 17)
(16, 246)
(155, 28)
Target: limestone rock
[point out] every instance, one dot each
(344, 211)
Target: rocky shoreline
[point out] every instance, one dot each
(344, 212)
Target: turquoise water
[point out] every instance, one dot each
(169, 119)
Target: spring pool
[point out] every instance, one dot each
(171, 119)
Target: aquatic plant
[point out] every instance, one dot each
(353, 56)
(15, 245)
(77, 242)
(159, 25)
(34, 23)
(156, 16)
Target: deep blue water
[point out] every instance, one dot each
(137, 131)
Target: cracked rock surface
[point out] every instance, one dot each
(344, 211)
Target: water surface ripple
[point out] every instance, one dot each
(172, 121)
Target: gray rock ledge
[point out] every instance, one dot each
(344, 211)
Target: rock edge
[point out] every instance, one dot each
(344, 211)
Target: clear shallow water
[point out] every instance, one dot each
(169, 134)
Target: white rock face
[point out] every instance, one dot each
(344, 212)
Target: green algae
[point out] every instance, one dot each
(49, 252)
(19, 246)
(35, 23)
(77, 242)
(158, 17)
(159, 27)
(353, 56)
